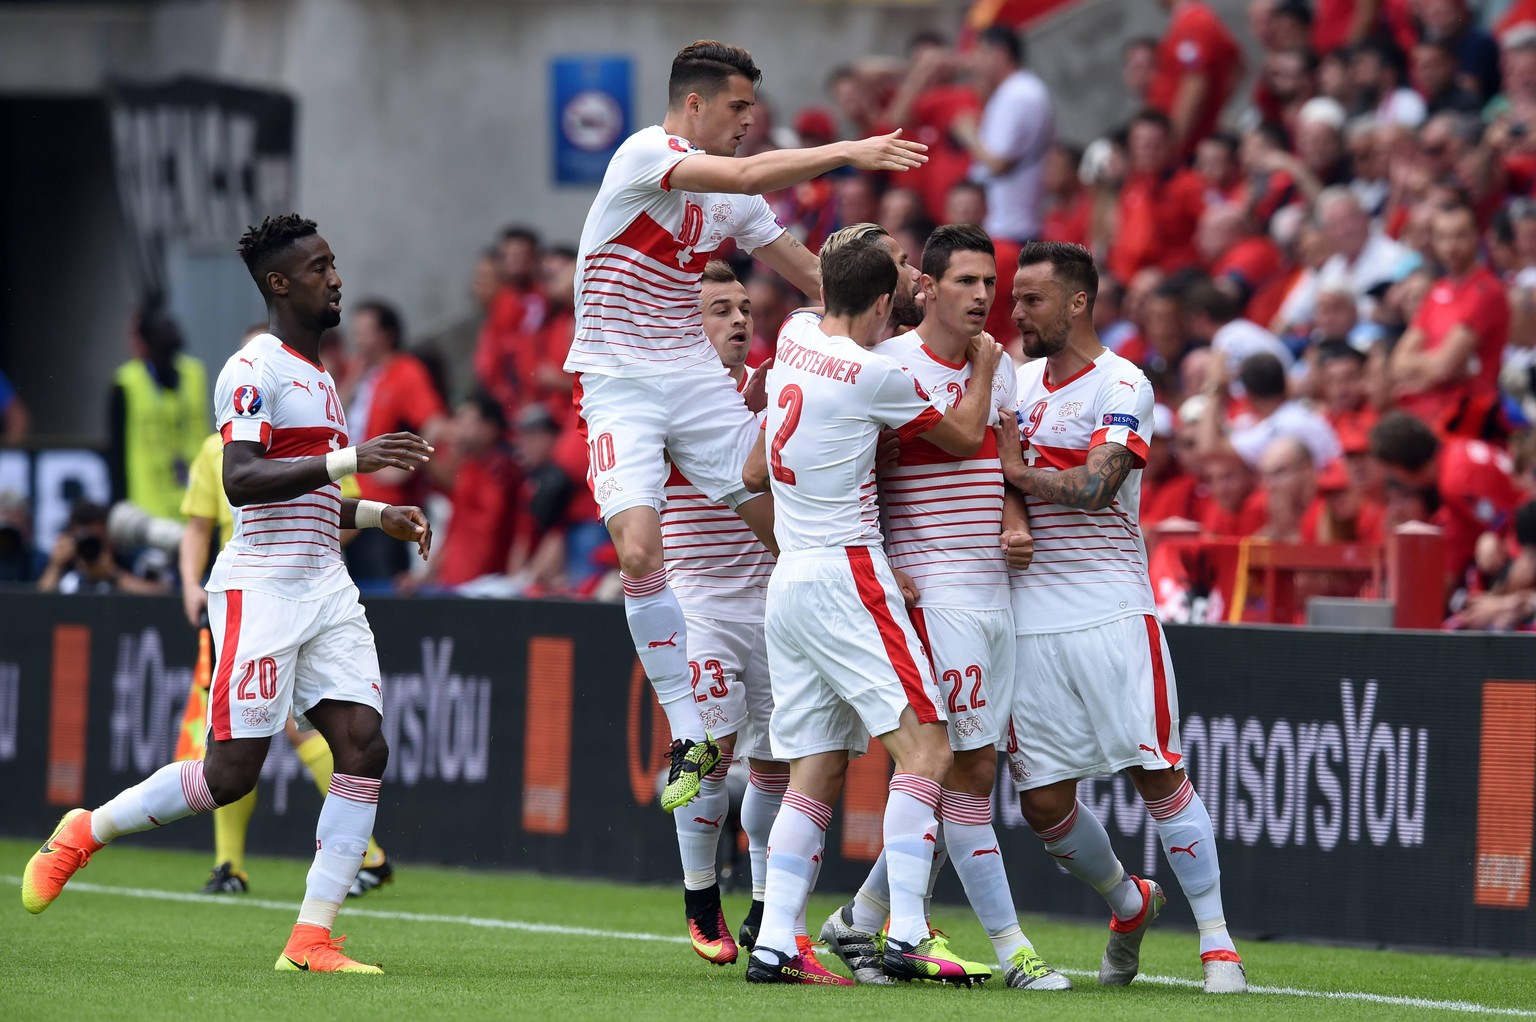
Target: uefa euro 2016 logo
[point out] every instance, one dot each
(247, 400)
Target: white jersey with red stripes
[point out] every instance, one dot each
(716, 565)
(943, 512)
(271, 395)
(828, 399)
(1090, 567)
(641, 258)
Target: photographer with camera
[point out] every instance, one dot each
(84, 561)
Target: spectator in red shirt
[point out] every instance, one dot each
(483, 483)
(772, 301)
(1232, 249)
(1445, 368)
(1340, 23)
(1342, 513)
(967, 204)
(1198, 66)
(516, 310)
(1159, 206)
(927, 104)
(395, 392)
(541, 357)
(1290, 484)
(1341, 376)
(1463, 486)
(1235, 509)
(1068, 204)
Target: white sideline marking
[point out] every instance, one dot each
(661, 938)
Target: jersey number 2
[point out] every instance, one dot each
(789, 399)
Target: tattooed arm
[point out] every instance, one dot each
(1091, 487)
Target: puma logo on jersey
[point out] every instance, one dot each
(1147, 748)
(249, 362)
(1126, 383)
(304, 387)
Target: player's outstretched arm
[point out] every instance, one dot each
(1091, 487)
(781, 168)
(251, 478)
(965, 425)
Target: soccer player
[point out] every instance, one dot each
(290, 631)
(206, 509)
(944, 517)
(719, 571)
(648, 380)
(842, 654)
(1094, 692)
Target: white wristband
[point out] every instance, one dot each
(341, 463)
(370, 513)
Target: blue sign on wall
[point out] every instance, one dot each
(590, 114)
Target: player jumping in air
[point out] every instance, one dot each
(1094, 692)
(290, 632)
(844, 659)
(648, 380)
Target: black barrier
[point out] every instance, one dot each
(1364, 787)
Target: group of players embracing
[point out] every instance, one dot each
(856, 542)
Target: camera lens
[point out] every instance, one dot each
(88, 547)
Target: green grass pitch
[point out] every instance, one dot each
(126, 942)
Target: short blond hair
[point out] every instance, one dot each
(852, 234)
(718, 271)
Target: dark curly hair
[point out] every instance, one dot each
(260, 245)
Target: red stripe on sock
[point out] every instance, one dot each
(965, 809)
(926, 791)
(773, 784)
(194, 788)
(1173, 805)
(646, 585)
(1061, 829)
(818, 813)
(356, 789)
(721, 769)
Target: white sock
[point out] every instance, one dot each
(799, 835)
(1081, 844)
(872, 904)
(911, 832)
(801, 927)
(940, 857)
(698, 828)
(661, 641)
(759, 808)
(1184, 827)
(170, 793)
(978, 859)
(341, 838)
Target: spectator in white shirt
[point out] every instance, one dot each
(1268, 415)
(1363, 256)
(1010, 142)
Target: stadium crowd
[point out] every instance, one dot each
(1330, 280)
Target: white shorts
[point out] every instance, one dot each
(972, 656)
(728, 661)
(1093, 702)
(696, 416)
(278, 657)
(843, 655)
